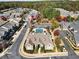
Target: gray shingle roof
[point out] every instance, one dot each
(9, 25)
(2, 30)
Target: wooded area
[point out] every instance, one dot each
(68, 5)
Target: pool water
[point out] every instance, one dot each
(39, 30)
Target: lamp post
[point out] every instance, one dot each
(8, 53)
(12, 56)
(50, 57)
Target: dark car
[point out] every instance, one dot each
(4, 18)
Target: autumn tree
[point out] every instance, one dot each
(55, 23)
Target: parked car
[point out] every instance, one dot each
(3, 18)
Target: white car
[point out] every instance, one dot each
(24, 25)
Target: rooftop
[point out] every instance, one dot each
(2, 21)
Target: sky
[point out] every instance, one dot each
(34, 0)
(21, 0)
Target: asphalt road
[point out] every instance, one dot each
(13, 53)
(71, 53)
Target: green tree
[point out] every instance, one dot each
(49, 12)
(70, 19)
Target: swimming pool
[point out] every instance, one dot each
(39, 30)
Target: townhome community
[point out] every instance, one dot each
(31, 32)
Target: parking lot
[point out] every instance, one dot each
(10, 22)
(39, 38)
